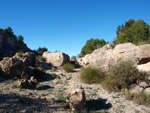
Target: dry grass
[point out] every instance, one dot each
(91, 75)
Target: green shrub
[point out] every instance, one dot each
(122, 75)
(68, 67)
(41, 58)
(42, 49)
(91, 75)
(53, 69)
(20, 52)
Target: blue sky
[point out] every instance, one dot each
(66, 25)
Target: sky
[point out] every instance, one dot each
(66, 25)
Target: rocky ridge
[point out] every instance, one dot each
(9, 46)
(106, 56)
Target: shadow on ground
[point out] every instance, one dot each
(13, 103)
(99, 104)
(45, 87)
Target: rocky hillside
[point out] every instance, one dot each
(106, 56)
(9, 46)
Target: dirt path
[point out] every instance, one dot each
(51, 99)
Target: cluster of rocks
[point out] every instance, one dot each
(14, 66)
(30, 83)
(106, 56)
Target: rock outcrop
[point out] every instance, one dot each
(15, 65)
(76, 98)
(106, 56)
(28, 83)
(144, 67)
(9, 46)
(57, 58)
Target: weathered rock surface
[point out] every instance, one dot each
(136, 89)
(28, 83)
(105, 56)
(15, 65)
(144, 67)
(76, 98)
(147, 91)
(57, 58)
(9, 46)
(144, 83)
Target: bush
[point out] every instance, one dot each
(91, 75)
(91, 45)
(68, 67)
(20, 52)
(41, 58)
(42, 49)
(122, 75)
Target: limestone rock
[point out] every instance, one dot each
(76, 98)
(144, 67)
(134, 88)
(106, 56)
(147, 90)
(57, 58)
(15, 65)
(143, 83)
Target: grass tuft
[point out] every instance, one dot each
(68, 67)
(91, 75)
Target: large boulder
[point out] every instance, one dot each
(106, 56)
(57, 58)
(76, 98)
(9, 46)
(15, 65)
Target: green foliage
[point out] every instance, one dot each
(91, 45)
(74, 58)
(136, 32)
(68, 67)
(20, 52)
(61, 99)
(8, 31)
(20, 38)
(91, 75)
(42, 49)
(122, 75)
(53, 69)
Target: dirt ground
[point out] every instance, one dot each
(51, 97)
